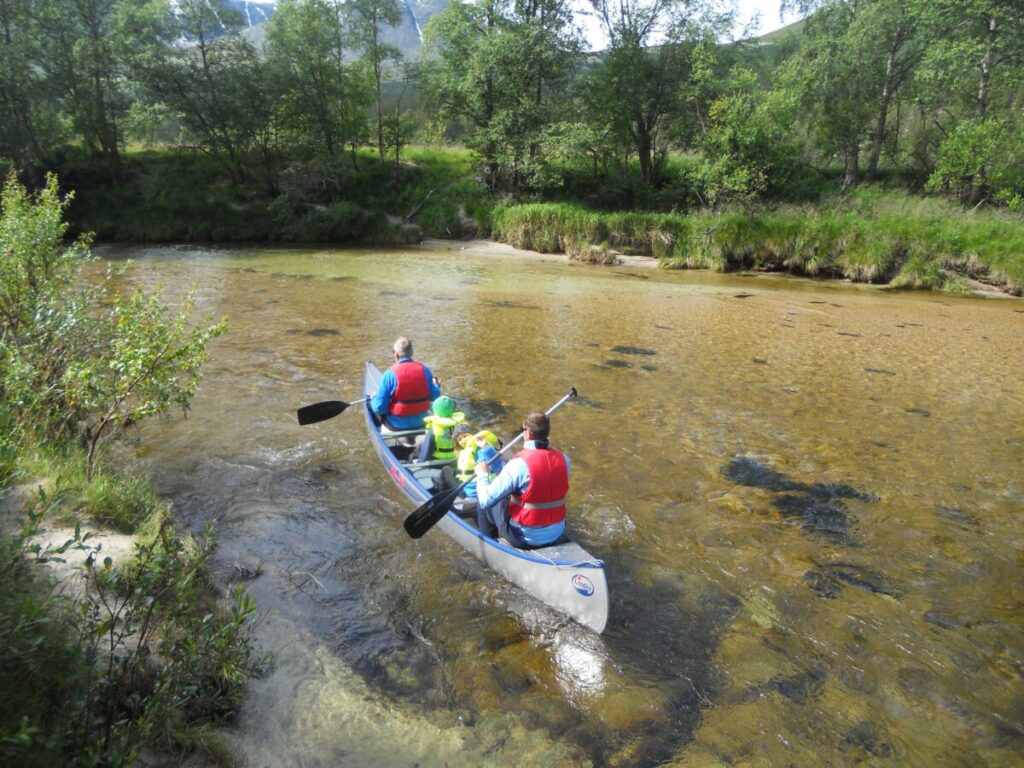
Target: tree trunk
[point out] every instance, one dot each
(986, 69)
(883, 107)
(851, 173)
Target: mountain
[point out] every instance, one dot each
(406, 37)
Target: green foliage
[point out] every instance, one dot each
(146, 363)
(142, 658)
(323, 98)
(749, 145)
(980, 159)
(501, 69)
(42, 312)
(72, 360)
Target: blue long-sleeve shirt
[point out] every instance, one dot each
(381, 399)
(514, 478)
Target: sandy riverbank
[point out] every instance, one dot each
(494, 249)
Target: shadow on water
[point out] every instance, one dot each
(663, 633)
(819, 508)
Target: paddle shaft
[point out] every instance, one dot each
(437, 506)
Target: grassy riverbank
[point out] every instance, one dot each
(875, 235)
(184, 196)
(886, 238)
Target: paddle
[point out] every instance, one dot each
(311, 414)
(437, 506)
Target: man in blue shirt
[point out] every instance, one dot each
(406, 390)
(525, 503)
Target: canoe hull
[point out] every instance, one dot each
(564, 576)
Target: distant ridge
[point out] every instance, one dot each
(406, 37)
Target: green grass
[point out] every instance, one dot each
(873, 236)
(117, 499)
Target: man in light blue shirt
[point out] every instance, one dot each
(525, 503)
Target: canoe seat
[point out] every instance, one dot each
(464, 507)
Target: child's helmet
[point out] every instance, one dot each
(444, 406)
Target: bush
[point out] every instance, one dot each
(981, 158)
(144, 658)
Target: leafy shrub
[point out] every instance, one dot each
(981, 158)
(145, 657)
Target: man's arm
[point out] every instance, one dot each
(385, 390)
(513, 477)
(432, 383)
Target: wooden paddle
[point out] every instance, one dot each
(437, 506)
(311, 414)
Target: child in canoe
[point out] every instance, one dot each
(473, 448)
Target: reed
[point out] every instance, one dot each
(873, 236)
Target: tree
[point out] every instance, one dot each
(80, 53)
(638, 89)
(324, 98)
(367, 18)
(30, 125)
(748, 146)
(189, 56)
(833, 73)
(500, 67)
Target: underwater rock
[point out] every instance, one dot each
(865, 736)
(633, 351)
(829, 578)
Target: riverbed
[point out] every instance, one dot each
(808, 497)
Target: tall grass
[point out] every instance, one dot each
(877, 237)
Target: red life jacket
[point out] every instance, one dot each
(412, 395)
(543, 501)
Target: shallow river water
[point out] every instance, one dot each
(808, 497)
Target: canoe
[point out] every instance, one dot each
(563, 575)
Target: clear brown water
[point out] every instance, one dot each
(808, 497)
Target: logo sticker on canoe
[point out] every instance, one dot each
(583, 585)
(397, 476)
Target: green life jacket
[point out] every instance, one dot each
(443, 427)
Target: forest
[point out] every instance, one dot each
(176, 122)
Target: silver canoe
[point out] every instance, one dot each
(564, 575)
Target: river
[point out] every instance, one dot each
(808, 496)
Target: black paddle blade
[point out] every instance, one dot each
(436, 507)
(311, 414)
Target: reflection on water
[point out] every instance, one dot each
(808, 497)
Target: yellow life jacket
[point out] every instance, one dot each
(490, 437)
(467, 456)
(467, 462)
(443, 427)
